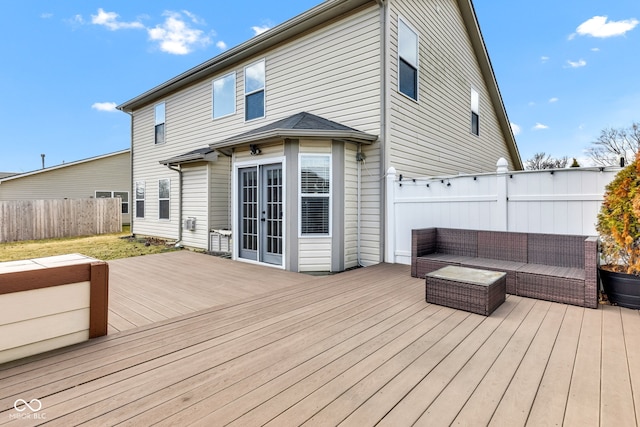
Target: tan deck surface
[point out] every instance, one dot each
(358, 348)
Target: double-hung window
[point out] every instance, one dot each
(475, 112)
(407, 60)
(224, 96)
(254, 84)
(159, 127)
(164, 198)
(140, 198)
(315, 191)
(123, 195)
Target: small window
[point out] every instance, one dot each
(475, 112)
(224, 96)
(315, 190)
(124, 195)
(163, 198)
(159, 128)
(140, 198)
(407, 60)
(254, 83)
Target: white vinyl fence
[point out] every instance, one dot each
(559, 201)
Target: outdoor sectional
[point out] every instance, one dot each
(553, 267)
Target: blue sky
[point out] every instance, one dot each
(566, 70)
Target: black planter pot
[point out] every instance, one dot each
(622, 289)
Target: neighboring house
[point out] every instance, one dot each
(6, 174)
(108, 175)
(286, 138)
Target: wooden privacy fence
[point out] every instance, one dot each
(45, 219)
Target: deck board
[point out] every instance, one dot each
(358, 348)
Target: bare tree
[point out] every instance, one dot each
(545, 161)
(612, 144)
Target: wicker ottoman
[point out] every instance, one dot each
(469, 289)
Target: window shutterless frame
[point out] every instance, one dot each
(140, 199)
(408, 60)
(315, 195)
(475, 112)
(164, 199)
(159, 128)
(254, 90)
(223, 96)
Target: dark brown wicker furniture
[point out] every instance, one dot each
(553, 267)
(469, 289)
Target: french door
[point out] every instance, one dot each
(260, 213)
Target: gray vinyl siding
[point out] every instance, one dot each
(433, 136)
(74, 181)
(333, 72)
(195, 201)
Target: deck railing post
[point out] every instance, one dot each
(390, 214)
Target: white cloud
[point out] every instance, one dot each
(552, 100)
(515, 129)
(176, 36)
(599, 27)
(544, 59)
(46, 15)
(595, 49)
(576, 64)
(221, 45)
(104, 106)
(110, 20)
(259, 29)
(540, 126)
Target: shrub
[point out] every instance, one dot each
(619, 221)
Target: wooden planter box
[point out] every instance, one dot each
(52, 302)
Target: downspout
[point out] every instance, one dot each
(384, 117)
(132, 195)
(179, 170)
(358, 203)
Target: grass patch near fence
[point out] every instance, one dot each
(104, 247)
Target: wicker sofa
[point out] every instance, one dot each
(560, 268)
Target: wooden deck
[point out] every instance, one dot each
(359, 348)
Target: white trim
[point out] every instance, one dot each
(235, 226)
(329, 195)
(264, 90)
(157, 123)
(417, 64)
(144, 199)
(164, 198)
(235, 95)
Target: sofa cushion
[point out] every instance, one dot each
(457, 242)
(555, 249)
(501, 245)
(553, 271)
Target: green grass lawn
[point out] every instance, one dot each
(104, 247)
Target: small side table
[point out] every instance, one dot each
(469, 289)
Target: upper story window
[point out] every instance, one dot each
(159, 127)
(475, 112)
(164, 194)
(224, 96)
(315, 191)
(407, 60)
(254, 83)
(140, 198)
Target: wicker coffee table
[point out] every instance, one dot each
(469, 289)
